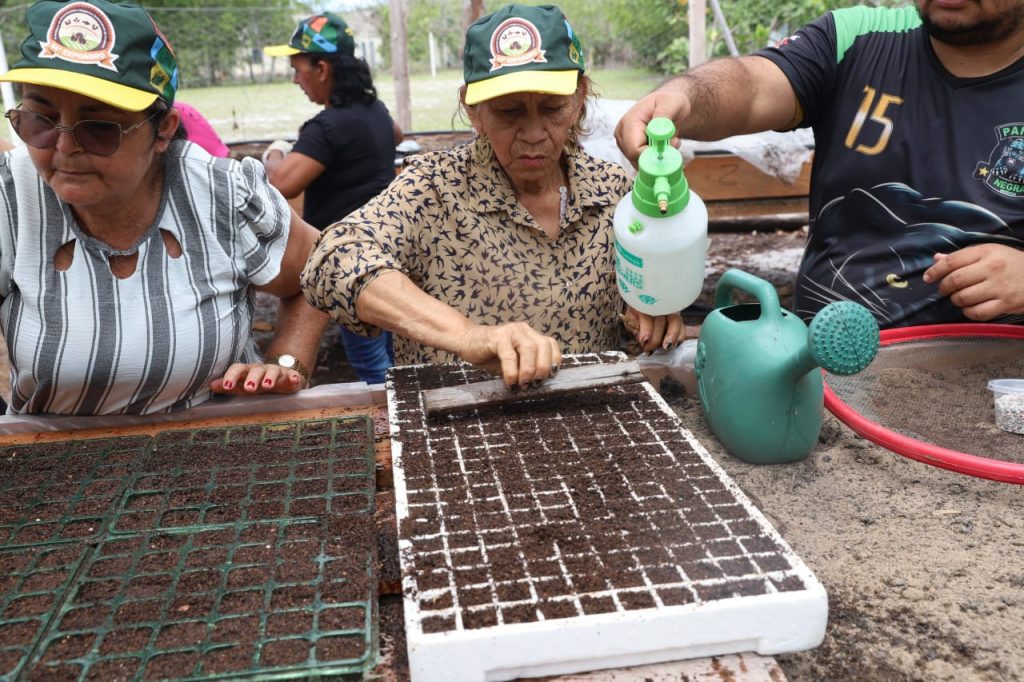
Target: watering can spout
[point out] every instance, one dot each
(842, 338)
(801, 362)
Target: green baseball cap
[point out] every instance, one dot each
(521, 48)
(110, 51)
(320, 33)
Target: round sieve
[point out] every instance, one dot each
(926, 396)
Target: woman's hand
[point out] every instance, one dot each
(256, 379)
(653, 332)
(520, 354)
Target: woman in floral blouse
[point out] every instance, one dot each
(498, 252)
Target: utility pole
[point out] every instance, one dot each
(400, 63)
(696, 12)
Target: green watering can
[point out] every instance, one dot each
(757, 368)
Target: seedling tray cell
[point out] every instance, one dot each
(219, 477)
(63, 491)
(32, 583)
(579, 532)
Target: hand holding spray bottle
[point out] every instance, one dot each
(661, 231)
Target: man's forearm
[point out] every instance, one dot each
(734, 96)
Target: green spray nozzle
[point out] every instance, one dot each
(660, 189)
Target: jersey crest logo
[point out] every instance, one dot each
(1004, 171)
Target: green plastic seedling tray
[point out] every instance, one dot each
(275, 600)
(63, 491)
(271, 592)
(33, 581)
(217, 477)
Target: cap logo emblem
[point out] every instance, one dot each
(515, 42)
(82, 34)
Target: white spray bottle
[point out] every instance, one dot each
(661, 231)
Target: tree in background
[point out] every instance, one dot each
(648, 33)
(223, 41)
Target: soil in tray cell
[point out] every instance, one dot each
(23, 607)
(68, 647)
(247, 601)
(171, 665)
(111, 669)
(342, 618)
(229, 659)
(214, 556)
(56, 672)
(125, 640)
(84, 618)
(9, 660)
(289, 623)
(340, 648)
(134, 612)
(285, 652)
(19, 633)
(206, 580)
(181, 635)
(240, 629)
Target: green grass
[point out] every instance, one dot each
(268, 111)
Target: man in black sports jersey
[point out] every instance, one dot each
(917, 189)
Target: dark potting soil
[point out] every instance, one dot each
(593, 502)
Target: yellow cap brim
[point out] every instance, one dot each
(114, 94)
(546, 82)
(280, 51)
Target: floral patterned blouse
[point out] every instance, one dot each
(452, 223)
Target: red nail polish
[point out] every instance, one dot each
(250, 384)
(268, 383)
(229, 385)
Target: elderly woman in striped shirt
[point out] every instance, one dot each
(129, 256)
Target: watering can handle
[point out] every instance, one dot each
(762, 290)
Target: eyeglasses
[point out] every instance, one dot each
(101, 138)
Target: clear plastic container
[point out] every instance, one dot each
(1009, 403)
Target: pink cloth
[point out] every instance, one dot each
(200, 131)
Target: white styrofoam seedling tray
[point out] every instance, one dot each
(767, 624)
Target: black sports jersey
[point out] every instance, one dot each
(909, 161)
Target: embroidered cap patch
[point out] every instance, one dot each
(80, 33)
(515, 42)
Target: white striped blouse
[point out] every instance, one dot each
(82, 341)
